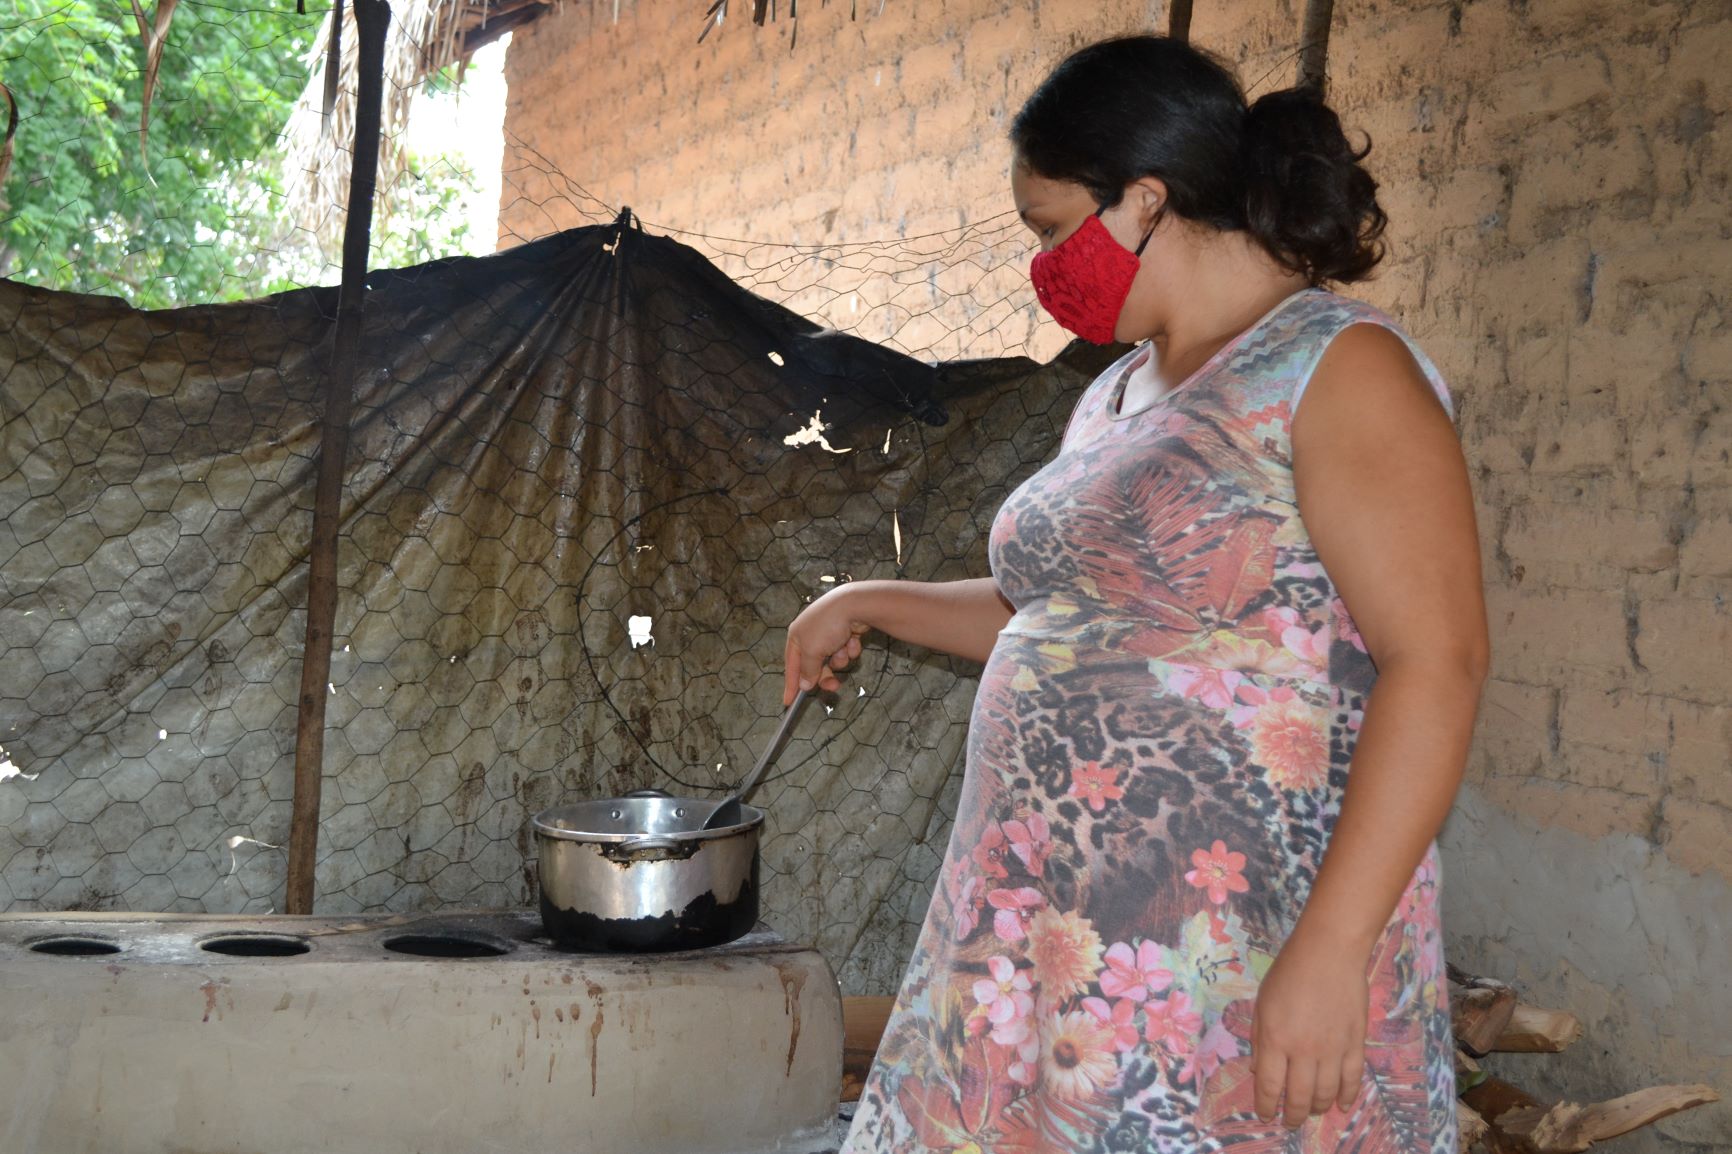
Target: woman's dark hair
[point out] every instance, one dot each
(1282, 169)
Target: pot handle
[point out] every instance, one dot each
(651, 847)
(649, 793)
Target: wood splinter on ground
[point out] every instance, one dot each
(1532, 1030)
(1471, 1126)
(1495, 1116)
(1500, 1118)
(1570, 1126)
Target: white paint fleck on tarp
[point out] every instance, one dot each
(776, 358)
(812, 434)
(896, 534)
(639, 629)
(8, 770)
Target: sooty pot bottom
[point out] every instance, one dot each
(705, 922)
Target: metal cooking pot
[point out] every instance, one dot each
(638, 873)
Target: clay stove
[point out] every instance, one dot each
(124, 1033)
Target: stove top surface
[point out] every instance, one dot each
(503, 936)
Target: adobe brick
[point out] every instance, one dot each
(1698, 836)
(1707, 550)
(1594, 768)
(1622, 721)
(1611, 23)
(1594, 813)
(1541, 287)
(1707, 356)
(938, 126)
(1590, 180)
(1464, 198)
(1699, 761)
(1586, 547)
(1001, 44)
(1711, 456)
(1512, 734)
(1557, 82)
(1660, 453)
(1684, 645)
(1559, 637)
(924, 73)
(1579, 447)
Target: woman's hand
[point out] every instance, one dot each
(1308, 1029)
(961, 618)
(822, 640)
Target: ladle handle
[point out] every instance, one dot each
(748, 786)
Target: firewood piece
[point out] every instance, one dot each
(1570, 1126)
(1490, 1100)
(1480, 1013)
(1471, 1126)
(1494, 1097)
(1534, 1030)
(863, 1022)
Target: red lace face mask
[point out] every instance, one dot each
(1084, 279)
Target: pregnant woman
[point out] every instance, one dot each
(1233, 644)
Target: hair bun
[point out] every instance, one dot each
(1307, 198)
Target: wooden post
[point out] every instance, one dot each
(1314, 44)
(1179, 20)
(372, 19)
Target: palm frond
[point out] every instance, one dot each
(425, 36)
(154, 33)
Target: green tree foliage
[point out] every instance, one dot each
(82, 211)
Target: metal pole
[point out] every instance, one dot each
(372, 19)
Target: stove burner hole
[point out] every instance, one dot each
(72, 946)
(446, 946)
(256, 945)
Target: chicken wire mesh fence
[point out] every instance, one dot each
(590, 482)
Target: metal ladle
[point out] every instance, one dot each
(727, 811)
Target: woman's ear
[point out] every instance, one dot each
(1148, 195)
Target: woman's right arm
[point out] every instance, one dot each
(956, 617)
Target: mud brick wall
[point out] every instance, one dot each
(1556, 174)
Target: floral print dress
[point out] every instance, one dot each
(1157, 755)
